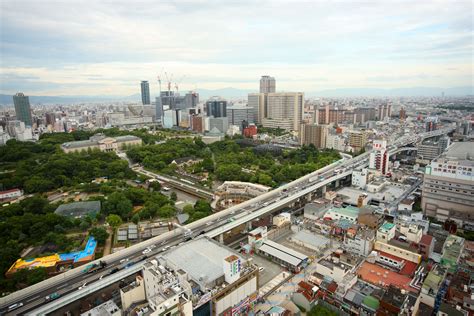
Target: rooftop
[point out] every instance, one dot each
(379, 276)
(201, 258)
(284, 253)
(310, 238)
(460, 150)
(386, 227)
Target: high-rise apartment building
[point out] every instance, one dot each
(216, 107)
(385, 110)
(431, 123)
(448, 185)
(378, 159)
(314, 134)
(145, 87)
(403, 114)
(267, 84)
(284, 110)
(365, 114)
(23, 108)
(357, 140)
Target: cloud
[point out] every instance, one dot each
(220, 43)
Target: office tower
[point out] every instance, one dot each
(357, 140)
(403, 114)
(158, 109)
(267, 84)
(23, 108)
(197, 123)
(378, 159)
(314, 134)
(385, 110)
(258, 101)
(448, 184)
(145, 92)
(237, 113)
(216, 107)
(284, 110)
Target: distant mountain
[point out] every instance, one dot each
(232, 93)
(413, 92)
(6, 99)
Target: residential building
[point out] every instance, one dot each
(102, 143)
(145, 89)
(378, 159)
(23, 108)
(267, 84)
(167, 291)
(402, 114)
(431, 123)
(357, 140)
(284, 110)
(359, 178)
(133, 293)
(360, 243)
(364, 114)
(448, 185)
(197, 123)
(216, 107)
(313, 134)
(335, 141)
(384, 110)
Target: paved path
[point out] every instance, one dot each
(108, 242)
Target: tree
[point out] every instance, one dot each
(114, 220)
(155, 185)
(166, 211)
(100, 234)
(117, 203)
(173, 196)
(136, 218)
(84, 225)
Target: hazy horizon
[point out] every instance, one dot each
(51, 48)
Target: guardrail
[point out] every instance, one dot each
(91, 288)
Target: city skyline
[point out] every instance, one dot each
(104, 49)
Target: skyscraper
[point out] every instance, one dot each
(23, 108)
(267, 84)
(158, 109)
(216, 107)
(145, 92)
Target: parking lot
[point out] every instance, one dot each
(270, 269)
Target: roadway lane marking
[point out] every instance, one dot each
(61, 286)
(33, 298)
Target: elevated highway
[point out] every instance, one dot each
(33, 297)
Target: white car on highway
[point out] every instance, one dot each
(147, 250)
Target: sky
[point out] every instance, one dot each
(107, 47)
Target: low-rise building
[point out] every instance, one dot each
(102, 143)
(360, 243)
(108, 308)
(10, 194)
(349, 213)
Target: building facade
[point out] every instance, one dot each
(284, 110)
(216, 108)
(448, 185)
(378, 159)
(145, 89)
(313, 134)
(267, 84)
(101, 142)
(23, 108)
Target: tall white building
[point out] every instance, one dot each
(379, 156)
(284, 110)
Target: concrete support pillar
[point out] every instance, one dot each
(338, 183)
(323, 190)
(249, 226)
(221, 238)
